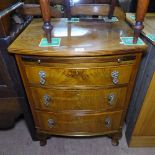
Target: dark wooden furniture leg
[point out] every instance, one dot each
(112, 8)
(142, 7)
(115, 138)
(43, 142)
(68, 9)
(42, 138)
(46, 13)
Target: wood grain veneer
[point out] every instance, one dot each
(84, 99)
(78, 76)
(79, 124)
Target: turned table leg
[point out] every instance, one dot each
(112, 8)
(68, 9)
(46, 13)
(142, 7)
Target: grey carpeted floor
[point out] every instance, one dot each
(17, 141)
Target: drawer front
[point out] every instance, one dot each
(65, 61)
(79, 76)
(94, 99)
(80, 123)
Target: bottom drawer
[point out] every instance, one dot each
(79, 123)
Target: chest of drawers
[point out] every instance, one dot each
(77, 93)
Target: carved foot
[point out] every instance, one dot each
(42, 138)
(115, 142)
(115, 138)
(43, 142)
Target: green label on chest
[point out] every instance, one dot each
(55, 42)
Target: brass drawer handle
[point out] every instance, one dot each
(119, 60)
(39, 61)
(42, 76)
(47, 100)
(51, 123)
(115, 75)
(111, 98)
(108, 122)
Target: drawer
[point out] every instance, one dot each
(94, 99)
(109, 75)
(79, 123)
(79, 61)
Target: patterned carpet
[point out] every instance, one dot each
(17, 141)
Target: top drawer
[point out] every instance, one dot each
(94, 76)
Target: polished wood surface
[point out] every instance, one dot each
(86, 42)
(142, 7)
(149, 24)
(93, 9)
(74, 92)
(99, 9)
(32, 7)
(90, 9)
(34, 10)
(78, 96)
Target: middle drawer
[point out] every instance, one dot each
(92, 99)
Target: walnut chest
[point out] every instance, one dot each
(82, 87)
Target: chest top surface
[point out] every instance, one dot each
(83, 38)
